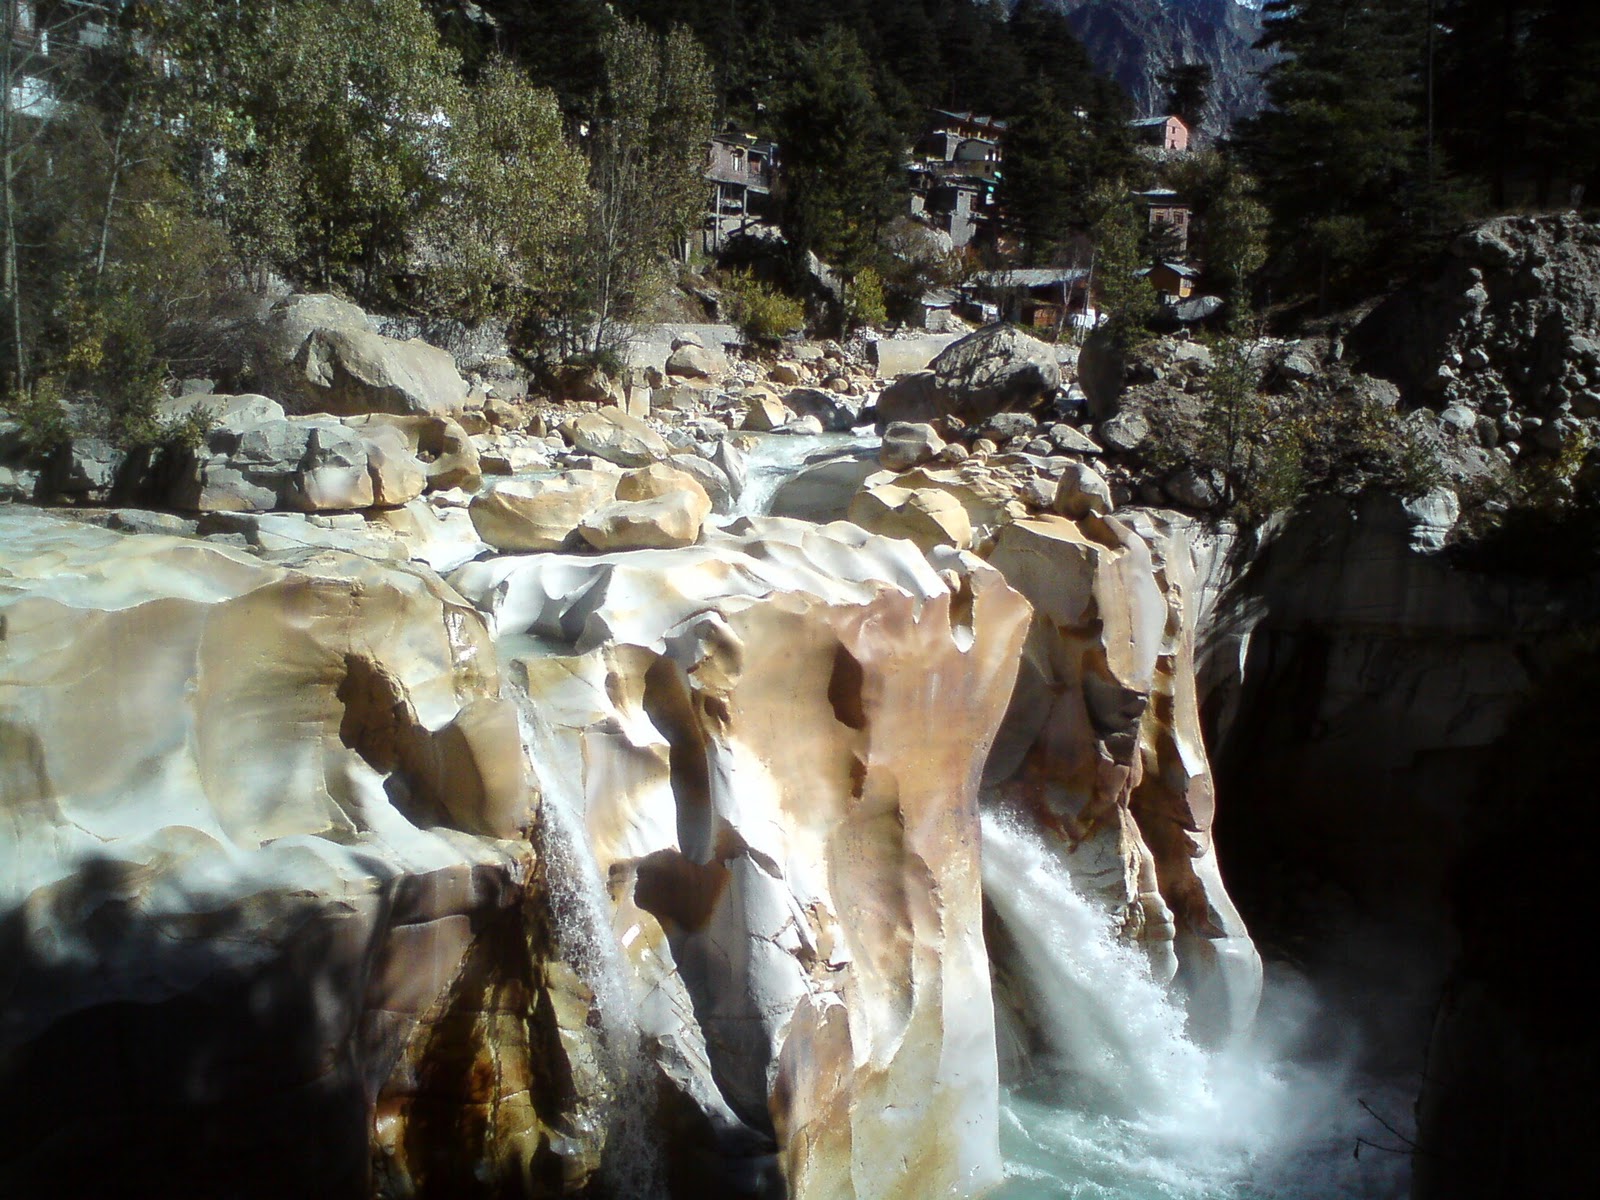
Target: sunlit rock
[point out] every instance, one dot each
(522, 515)
(743, 728)
(1103, 746)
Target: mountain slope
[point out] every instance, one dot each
(1135, 40)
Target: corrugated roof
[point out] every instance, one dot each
(1032, 276)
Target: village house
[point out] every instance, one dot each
(740, 168)
(1175, 281)
(955, 172)
(1041, 298)
(1163, 207)
(1161, 133)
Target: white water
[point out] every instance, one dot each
(581, 921)
(1123, 1106)
(778, 457)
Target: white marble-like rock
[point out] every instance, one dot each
(743, 726)
(927, 517)
(256, 836)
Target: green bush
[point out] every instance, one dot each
(762, 313)
(863, 300)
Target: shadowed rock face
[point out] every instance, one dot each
(264, 883)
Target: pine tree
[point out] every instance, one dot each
(1340, 154)
(1188, 91)
(840, 155)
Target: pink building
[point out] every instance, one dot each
(1164, 133)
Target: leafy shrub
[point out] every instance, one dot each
(863, 300)
(1272, 450)
(762, 312)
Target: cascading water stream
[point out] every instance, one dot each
(581, 921)
(778, 457)
(1120, 1105)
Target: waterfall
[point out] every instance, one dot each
(1118, 1104)
(580, 912)
(1112, 1029)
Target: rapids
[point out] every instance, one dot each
(1111, 1101)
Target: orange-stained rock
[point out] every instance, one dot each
(745, 725)
(1103, 748)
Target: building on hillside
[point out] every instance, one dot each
(1043, 298)
(740, 168)
(955, 172)
(1175, 281)
(1165, 210)
(1161, 133)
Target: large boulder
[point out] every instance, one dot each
(908, 444)
(351, 371)
(317, 353)
(996, 369)
(693, 361)
(836, 413)
(445, 449)
(613, 435)
(914, 398)
(524, 515)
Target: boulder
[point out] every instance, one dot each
(1125, 432)
(86, 468)
(734, 462)
(523, 515)
(333, 472)
(398, 476)
(294, 319)
(914, 397)
(1082, 491)
(349, 372)
(1004, 426)
(696, 362)
(614, 436)
(927, 517)
(908, 444)
(763, 413)
(664, 522)
(832, 410)
(709, 476)
(444, 448)
(1195, 488)
(995, 369)
(1069, 440)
